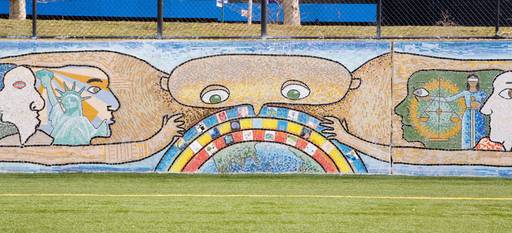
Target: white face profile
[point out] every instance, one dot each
(20, 102)
(499, 108)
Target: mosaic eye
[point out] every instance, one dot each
(295, 90)
(506, 93)
(214, 94)
(93, 89)
(421, 92)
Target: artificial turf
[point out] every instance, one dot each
(255, 203)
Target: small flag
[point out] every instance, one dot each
(211, 149)
(247, 135)
(270, 135)
(305, 133)
(228, 139)
(272, 112)
(293, 115)
(243, 111)
(214, 133)
(327, 147)
(312, 123)
(310, 149)
(222, 116)
(195, 146)
(200, 127)
(291, 140)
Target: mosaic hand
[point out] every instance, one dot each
(336, 128)
(173, 125)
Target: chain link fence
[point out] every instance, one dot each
(257, 18)
(453, 18)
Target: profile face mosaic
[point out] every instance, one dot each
(421, 108)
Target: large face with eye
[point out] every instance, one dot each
(20, 103)
(426, 115)
(230, 80)
(499, 108)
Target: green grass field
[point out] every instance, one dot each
(185, 203)
(56, 28)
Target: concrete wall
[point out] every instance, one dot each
(365, 107)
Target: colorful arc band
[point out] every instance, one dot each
(291, 128)
(242, 118)
(260, 136)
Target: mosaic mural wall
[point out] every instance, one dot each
(376, 107)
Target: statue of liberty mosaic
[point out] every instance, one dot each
(70, 126)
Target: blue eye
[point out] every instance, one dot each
(93, 89)
(421, 92)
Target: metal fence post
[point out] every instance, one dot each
(498, 17)
(379, 19)
(160, 19)
(34, 19)
(264, 18)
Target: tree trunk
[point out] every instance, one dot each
(17, 9)
(249, 12)
(291, 12)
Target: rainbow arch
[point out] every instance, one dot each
(274, 125)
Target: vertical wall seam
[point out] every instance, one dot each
(392, 45)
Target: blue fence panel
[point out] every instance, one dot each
(99, 8)
(310, 13)
(198, 9)
(90, 8)
(189, 9)
(339, 13)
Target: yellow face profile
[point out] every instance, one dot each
(229, 80)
